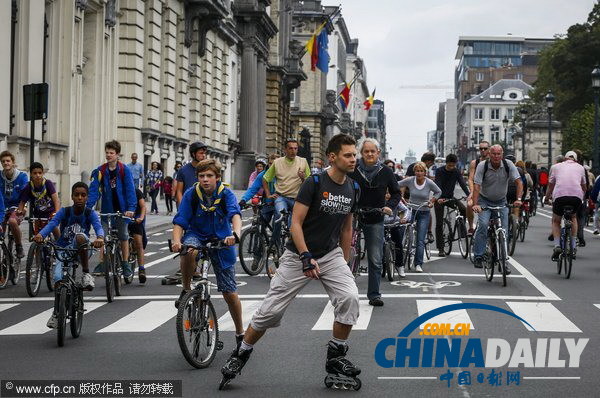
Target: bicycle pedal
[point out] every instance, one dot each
(219, 346)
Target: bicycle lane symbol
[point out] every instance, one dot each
(425, 285)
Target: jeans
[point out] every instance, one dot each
(423, 217)
(153, 195)
(282, 203)
(58, 267)
(169, 202)
(483, 221)
(397, 235)
(374, 246)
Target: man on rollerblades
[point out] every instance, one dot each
(321, 234)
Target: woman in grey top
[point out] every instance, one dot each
(421, 189)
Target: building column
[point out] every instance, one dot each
(261, 135)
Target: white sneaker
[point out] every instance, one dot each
(52, 322)
(401, 272)
(418, 268)
(87, 281)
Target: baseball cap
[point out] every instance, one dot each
(571, 154)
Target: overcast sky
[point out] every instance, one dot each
(413, 42)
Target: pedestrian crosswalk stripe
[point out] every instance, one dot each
(37, 324)
(147, 254)
(597, 306)
(6, 306)
(544, 317)
(325, 321)
(452, 317)
(145, 319)
(249, 307)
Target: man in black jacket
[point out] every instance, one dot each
(375, 180)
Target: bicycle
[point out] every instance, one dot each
(133, 255)
(389, 251)
(254, 243)
(496, 246)
(40, 262)
(69, 294)
(515, 230)
(566, 243)
(357, 241)
(112, 258)
(457, 232)
(11, 262)
(197, 323)
(410, 239)
(276, 247)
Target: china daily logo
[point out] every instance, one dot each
(403, 351)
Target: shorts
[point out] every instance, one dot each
(119, 224)
(136, 229)
(58, 267)
(225, 275)
(559, 204)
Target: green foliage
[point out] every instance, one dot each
(579, 133)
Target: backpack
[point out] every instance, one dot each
(543, 178)
(104, 170)
(355, 185)
(65, 220)
(487, 165)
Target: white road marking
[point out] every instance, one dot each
(4, 307)
(544, 317)
(325, 321)
(549, 215)
(160, 260)
(145, 319)
(162, 249)
(37, 323)
(147, 254)
(158, 234)
(249, 307)
(548, 294)
(158, 243)
(453, 317)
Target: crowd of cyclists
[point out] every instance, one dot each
(323, 208)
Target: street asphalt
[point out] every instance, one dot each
(134, 337)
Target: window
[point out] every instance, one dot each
(371, 124)
(478, 113)
(510, 113)
(479, 76)
(293, 96)
(519, 76)
(495, 114)
(477, 134)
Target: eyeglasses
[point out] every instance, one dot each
(484, 149)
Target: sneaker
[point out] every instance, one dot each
(471, 232)
(556, 253)
(20, 252)
(183, 293)
(87, 281)
(52, 322)
(401, 272)
(99, 270)
(550, 238)
(418, 268)
(478, 263)
(596, 232)
(429, 237)
(581, 242)
(376, 302)
(142, 275)
(441, 254)
(507, 270)
(127, 273)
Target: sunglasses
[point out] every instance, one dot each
(483, 149)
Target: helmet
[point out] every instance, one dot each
(512, 158)
(261, 160)
(195, 147)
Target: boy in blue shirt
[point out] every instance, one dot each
(12, 182)
(112, 183)
(206, 213)
(75, 222)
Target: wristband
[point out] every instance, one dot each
(307, 265)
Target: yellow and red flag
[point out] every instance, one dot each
(345, 97)
(370, 100)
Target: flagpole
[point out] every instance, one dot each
(358, 72)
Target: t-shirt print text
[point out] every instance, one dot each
(335, 204)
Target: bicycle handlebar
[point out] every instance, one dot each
(117, 214)
(212, 245)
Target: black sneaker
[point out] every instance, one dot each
(581, 242)
(478, 262)
(550, 237)
(21, 253)
(556, 253)
(376, 302)
(441, 254)
(430, 237)
(183, 293)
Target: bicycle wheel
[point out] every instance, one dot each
(462, 237)
(133, 258)
(4, 266)
(427, 250)
(522, 229)
(408, 247)
(118, 272)
(471, 256)
(512, 235)
(388, 253)
(15, 269)
(362, 243)
(253, 245)
(197, 329)
(559, 263)
(33, 269)
(488, 266)
(447, 237)
(49, 268)
(109, 263)
(61, 314)
(569, 257)
(76, 313)
(502, 257)
(272, 260)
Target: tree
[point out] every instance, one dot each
(579, 132)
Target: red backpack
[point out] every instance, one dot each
(543, 178)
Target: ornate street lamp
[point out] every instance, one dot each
(550, 106)
(523, 121)
(505, 125)
(596, 87)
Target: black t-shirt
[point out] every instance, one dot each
(327, 211)
(112, 175)
(138, 209)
